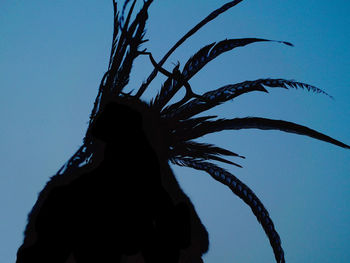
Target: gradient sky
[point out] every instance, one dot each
(54, 53)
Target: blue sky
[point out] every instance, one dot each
(54, 53)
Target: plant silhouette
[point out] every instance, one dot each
(117, 198)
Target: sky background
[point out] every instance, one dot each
(54, 53)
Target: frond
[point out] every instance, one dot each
(207, 127)
(243, 192)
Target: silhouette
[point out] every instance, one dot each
(116, 208)
(124, 160)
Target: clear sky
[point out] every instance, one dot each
(54, 53)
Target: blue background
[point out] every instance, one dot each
(54, 53)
